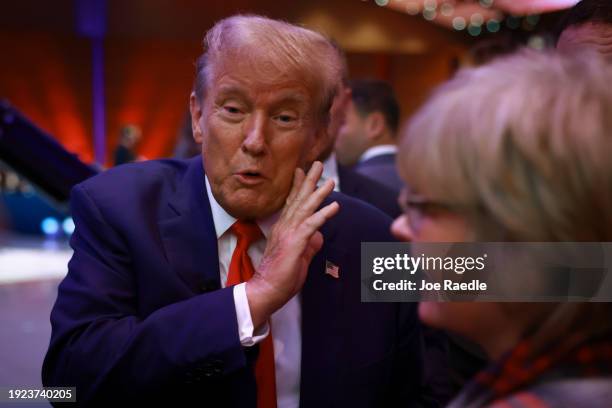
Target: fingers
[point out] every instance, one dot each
(314, 200)
(310, 183)
(320, 217)
(298, 179)
(305, 239)
(316, 220)
(305, 197)
(299, 217)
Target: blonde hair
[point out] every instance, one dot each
(527, 139)
(287, 49)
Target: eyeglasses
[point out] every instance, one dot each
(416, 208)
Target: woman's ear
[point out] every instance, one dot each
(196, 109)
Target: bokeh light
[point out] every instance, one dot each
(493, 26)
(429, 14)
(49, 226)
(68, 226)
(476, 19)
(447, 9)
(474, 30)
(459, 23)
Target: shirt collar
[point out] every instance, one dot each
(330, 171)
(223, 221)
(378, 151)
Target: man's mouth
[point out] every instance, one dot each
(249, 177)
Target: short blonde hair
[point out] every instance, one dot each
(287, 48)
(527, 139)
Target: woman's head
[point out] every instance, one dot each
(517, 150)
(520, 148)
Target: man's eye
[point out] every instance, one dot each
(231, 109)
(286, 118)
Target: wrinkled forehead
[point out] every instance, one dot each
(260, 72)
(281, 94)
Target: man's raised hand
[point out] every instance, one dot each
(292, 244)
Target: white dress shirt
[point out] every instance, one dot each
(377, 151)
(286, 323)
(330, 171)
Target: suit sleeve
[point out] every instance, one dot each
(101, 346)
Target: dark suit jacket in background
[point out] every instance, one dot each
(382, 169)
(141, 314)
(372, 192)
(439, 387)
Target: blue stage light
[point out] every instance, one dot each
(49, 226)
(68, 226)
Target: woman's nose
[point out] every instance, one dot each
(401, 229)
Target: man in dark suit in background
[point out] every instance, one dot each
(346, 179)
(367, 138)
(351, 183)
(232, 279)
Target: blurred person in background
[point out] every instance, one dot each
(587, 25)
(519, 150)
(348, 181)
(367, 138)
(186, 147)
(125, 152)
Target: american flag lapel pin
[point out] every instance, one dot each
(332, 269)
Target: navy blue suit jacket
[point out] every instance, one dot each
(382, 169)
(383, 197)
(366, 189)
(141, 314)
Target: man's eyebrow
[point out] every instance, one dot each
(231, 90)
(291, 97)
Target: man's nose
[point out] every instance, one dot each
(254, 141)
(401, 228)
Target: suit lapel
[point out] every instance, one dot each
(188, 232)
(322, 326)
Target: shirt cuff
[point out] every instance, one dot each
(248, 335)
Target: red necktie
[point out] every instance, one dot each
(241, 270)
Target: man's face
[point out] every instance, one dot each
(254, 133)
(597, 36)
(352, 138)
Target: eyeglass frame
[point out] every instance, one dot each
(415, 208)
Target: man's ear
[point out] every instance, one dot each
(375, 125)
(196, 109)
(318, 145)
(347, 95)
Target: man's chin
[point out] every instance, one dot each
(250, 203)
(251, 210)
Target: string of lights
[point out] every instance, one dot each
(478, 17)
